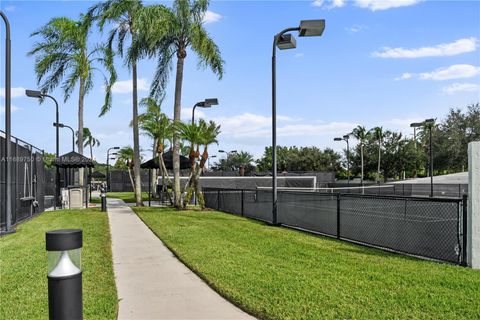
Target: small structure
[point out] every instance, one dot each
(67, 162)
(154, 164)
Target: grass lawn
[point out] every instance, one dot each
(278, 273)
(128, 197)
(23, 266)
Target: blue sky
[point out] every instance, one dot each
(385, 63)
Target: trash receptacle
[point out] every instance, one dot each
(75, 196)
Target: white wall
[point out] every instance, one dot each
(474, 205)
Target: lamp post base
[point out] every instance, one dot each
(65, 298)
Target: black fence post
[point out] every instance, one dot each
(338, 216)
(243, 198)
(218, 200)
(464, 229)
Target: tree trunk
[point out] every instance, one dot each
(91, 150)
(136, 142)
(154, 172)
(81, 96)
(176, 142)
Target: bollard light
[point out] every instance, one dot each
(64, 274)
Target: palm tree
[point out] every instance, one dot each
(361, 134)
(88, 140)
(122, 16)
(171, 31)
(158, 127)
(242, 159)
(64, 58)
(126, 155)
(192, 133)
(377, 134)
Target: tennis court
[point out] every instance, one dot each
(420, 226)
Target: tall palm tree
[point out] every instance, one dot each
(64, 58)
(170, 32)
(361, 134)
(377, 134)
(126, 155)
(122, 16)
(88, 140)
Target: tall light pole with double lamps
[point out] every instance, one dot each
(284, 40)
(345, 138)
(207, 103)
(39, 95)
(429, 124)
(108, 164)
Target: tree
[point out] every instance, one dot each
(88, 140)
(64, 57)
(123, 17)
(361, 134)
(170, 32)
(377, 135)
(242, 160)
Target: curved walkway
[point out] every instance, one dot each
(151, 282)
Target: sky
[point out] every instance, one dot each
(378, 63)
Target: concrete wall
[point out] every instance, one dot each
(473, 220)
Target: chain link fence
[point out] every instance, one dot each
(420, 226)
(27, 183)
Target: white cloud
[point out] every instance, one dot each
(298, 55)
(211, 17)
(10, 8)
(355, 28)
(14, 108)
(329, 4)
(404, 76)
(461, 87)
(125, 86)
(404, 122)
(441, 50)
(375, 5)
(16, 92)
(456, 71)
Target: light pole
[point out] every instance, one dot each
(108, 158)
(8, 122)
(284, 40)
(428, 123)
(61, 125)
(207, 103)
(40, 95)
(345, 138)
(415, 125)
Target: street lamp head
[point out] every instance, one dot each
(116, 148)
(346, 137)
(210, 102)
(213, 156)
(430, 121)
(33, 93)
(286, 41)
(233, 151)
(416, 124)
(60, 125)
(311, 28)
(222, 151)
(337, 139)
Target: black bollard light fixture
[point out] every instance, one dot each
(64, 274)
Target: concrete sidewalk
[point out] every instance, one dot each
(151, 282)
